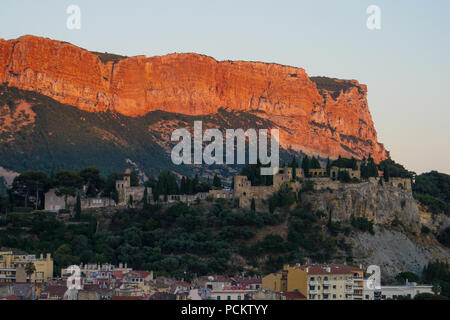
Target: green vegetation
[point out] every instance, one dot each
(345, 163)
(369, 169)
(432, 189)
(283, 198)
(362, 223)
(438, 273)
(253, 174)
(196, 239)
(3, 190)
(444, 237)
(334, 86)
(410, 276)
(394, 170)
(429, 296)
(344, 176)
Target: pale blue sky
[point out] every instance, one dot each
(405, 64)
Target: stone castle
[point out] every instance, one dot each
(243, 192)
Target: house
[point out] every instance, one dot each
(317, 173)
(353, 173)
(55, 202)
(249, 283)
(53, 292)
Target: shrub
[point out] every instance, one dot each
(425, 230)
(363, 224)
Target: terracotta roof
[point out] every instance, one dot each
(143, 274)
(127, 298)
(216, 278)
(253, 280)
(334, 268)
(294, 296)
(54, 291)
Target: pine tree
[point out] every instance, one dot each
(328, 166)
(294, 166)
(314, 164)
(217, 182)
(145, 199)
(78, 207)
(130, 201)
(386, 173)
(306, 166)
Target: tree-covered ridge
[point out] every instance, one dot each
(433, 190)
(65, 137)
(181, 240)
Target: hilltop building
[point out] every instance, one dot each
(244, 192)
(126, 192)
(55, 202)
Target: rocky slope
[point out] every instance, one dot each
(397, 244)
(322, 116)
(395, 252)
(381, 204)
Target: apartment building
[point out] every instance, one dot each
(318, 281)
(13, 265)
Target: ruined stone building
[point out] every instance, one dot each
(126, 192)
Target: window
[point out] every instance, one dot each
(228, 297)
(334, 287)
(239, 297)
(334, 296)
(218, 297)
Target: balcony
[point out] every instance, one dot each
(349, 291)
(349, 281)
(326, 282)
(358, 285)
(313, 291)
(313, 283)
(326, 291)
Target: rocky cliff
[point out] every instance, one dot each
(397, 244)
(321, 116)
(382, 204)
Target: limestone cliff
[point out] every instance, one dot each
(328, 117)
(381, 204)
(395, 247)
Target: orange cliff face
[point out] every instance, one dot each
(319, 116)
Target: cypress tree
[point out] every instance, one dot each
(306, 165)
(145, 200)
(78, 207)
(328, 166)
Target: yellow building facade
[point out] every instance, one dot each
(318, 281)
(13, 265)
